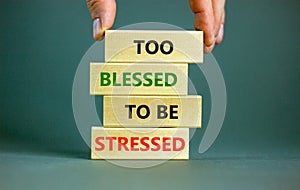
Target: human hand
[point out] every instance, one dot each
(210, 18)
(103, 14)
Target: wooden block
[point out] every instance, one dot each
(153, 46)
(138, 79)
(139, 143)
(152, 111)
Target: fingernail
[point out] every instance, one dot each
(97, 29)
(221, 29)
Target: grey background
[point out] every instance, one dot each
(42, 43)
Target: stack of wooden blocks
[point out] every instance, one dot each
(147, 112)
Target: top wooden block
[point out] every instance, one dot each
(153, 46)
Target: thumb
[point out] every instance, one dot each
(103, 14)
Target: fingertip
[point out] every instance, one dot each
(220, 34)
(208, 49)
(98, 31)
(209, 40)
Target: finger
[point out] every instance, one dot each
(208, 49)
(103, 14)
(220, 35)
(218, 9)
(221, 31)
(204, 19)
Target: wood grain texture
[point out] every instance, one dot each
(167, 79)
(116, 111)
(139, 143)
(122, 46)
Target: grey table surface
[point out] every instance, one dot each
(32, 168)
